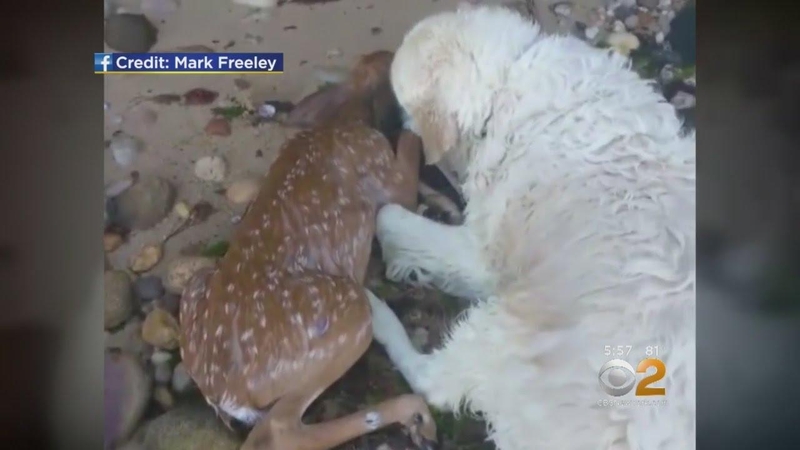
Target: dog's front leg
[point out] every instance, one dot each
(423, 252)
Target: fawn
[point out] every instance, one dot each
(285, 314)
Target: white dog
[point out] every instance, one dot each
(578, 243)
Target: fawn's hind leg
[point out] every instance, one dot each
(282, 427)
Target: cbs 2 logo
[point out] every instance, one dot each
(620, 377)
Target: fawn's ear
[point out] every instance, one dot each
(319, 106)
(439, 131)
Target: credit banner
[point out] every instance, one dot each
(188, 63)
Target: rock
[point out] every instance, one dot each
(562, 9)
(169, 302)
(182, 210)
(144, 204)
(631, 22)
(211, 168)
(420, 338)
(683, 100)
(111, 241)
(164, 397)
(148, 257)
(124, 148)
(181, 269)
(334, 53)
(126, 393)
(181, 381)
(218, 126)
(115, 188)
(199, 96)
(659, 37)
(160, 329)
(160, 357)
(267, 111)
(591, 32)
(118, 298)
(243, 191)
(649, 4)
(623, 43)
(162, 373)
(619, 27)
(148, 288)
(188, 427)
(128, 339)
(130, 33)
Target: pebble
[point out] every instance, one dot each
(144, 204)
(148, 257)
(169, 302)
(632, 21)
(115, 188)
(243, 191)
(126, 389)
(111, 242)
(124, 148)
(683, 100)
(181, 270)
(181, 381)
(162, 373)
(130, 33)
(420, 338)
(182, 210)
(148, 288)
(218, 126)
(164, 397)
(659, 37)
(267, 111)
(128, 339)
(619, 27)
(160, 357)
(623, 43)
(160, 329)
(591, 32)
(190, 426)
(334, 53)
(211, 168)
(563, 9)
(118, 298)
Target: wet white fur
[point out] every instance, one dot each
(579, 233)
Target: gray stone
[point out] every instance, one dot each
(126, 394)
(181, 381)
(118, 298)
(128, 339)
(144, 204)
(187, 427)
(131, 33)
(148, 288)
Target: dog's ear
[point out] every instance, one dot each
(319, 106)
(439, 132)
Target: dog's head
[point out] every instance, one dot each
(448, 68)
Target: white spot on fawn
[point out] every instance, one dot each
(372, 420)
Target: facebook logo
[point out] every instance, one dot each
(103, 62)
